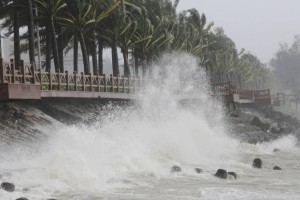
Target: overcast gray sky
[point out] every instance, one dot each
(256, 25)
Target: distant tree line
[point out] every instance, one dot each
(286, 66)
(143, 29)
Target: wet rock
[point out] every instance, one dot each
(9, 187)
(175, 168)
(276, 168)
(22, 198)
(275, 130)
(276, 150)
(198, 170)
(257, 163)
(232, 174)
(221, 173)
(257, 122)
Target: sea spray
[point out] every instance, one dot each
(174, 121)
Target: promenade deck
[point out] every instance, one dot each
(29, 83)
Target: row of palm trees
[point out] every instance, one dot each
(142, 29)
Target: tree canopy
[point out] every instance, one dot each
(141, 29)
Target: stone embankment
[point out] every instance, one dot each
(29, 121)
(261, 124)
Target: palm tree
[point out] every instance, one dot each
(154, 31)
(83, 19)
(113, 25)
(49, 11)
(31, 32)
(17, 48)
(77, 20)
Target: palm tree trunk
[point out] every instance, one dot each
(17, 50)
(60, 48)
(54, 47)
(126, 64)
(48, 48)
(115, 59)
(85, 57)
(100, 56)
(75, 54)
(31, 32)
(94, 59)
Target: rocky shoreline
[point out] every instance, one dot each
(27, 121)
(30, 121)
(256, 124)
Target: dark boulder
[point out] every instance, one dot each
(276, 168)
(263, 126)
(275, 130)
(257, 163)
(21, 198)
(198, 170)
(221, 173)
(9, 187)
(176, 168)
(232, 174)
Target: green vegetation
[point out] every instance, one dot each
(141, 28)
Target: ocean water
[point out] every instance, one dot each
(129, 151)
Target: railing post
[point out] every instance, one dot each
(75, 80)
(112, 83)
(105, 83)
(91, 82)
(59, 80)
(67, 79)
(98, 81)
(128, 83)
(123, 79)
(118, 83)
(83, 81)
(33, 74)
(12, 67)
(1, 70)
(23, 72)
(23, 80)
(50, 80)
(40, 75)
